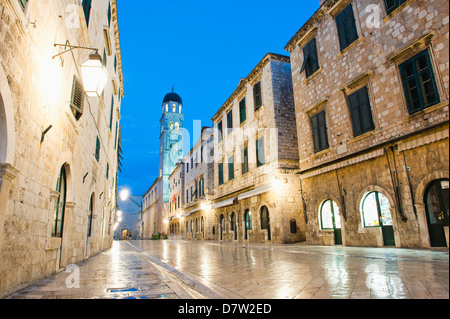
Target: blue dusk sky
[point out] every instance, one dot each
(202, 48)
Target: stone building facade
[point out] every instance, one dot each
(371, 88)
(58, 147)
(194, 189)
(257, 193)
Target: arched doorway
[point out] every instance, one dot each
(247, 222)
(221, 226)
(437, 209)
(233, 225)
(376, 212)
(331, 220)
(265, 221)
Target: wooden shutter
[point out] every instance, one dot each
(315, 133)
(257, 95)
(360, 112)
(23, 4)
(220, 173)
(77, 98)
(260, 153)
(97, 149)
(112, 112)
(346, 25)
(419, 82)
(242, 110)
(311, 61)
(323, 130)
(319, 130)
(230, 121)
(87, 10)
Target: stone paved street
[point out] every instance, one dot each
(195, 270)
(119, 273)
(256, 271)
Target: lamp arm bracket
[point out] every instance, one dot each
(71, 47)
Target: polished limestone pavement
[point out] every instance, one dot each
(178, 269)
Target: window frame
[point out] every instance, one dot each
(359, 105)
(344, 29)
(307, 67)
(257, 95)
(322, 145)
(242, 110)
(420, 87)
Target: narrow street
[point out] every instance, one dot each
(169, 269)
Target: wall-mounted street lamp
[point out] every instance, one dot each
(93, 72)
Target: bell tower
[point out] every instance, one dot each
(171, 138)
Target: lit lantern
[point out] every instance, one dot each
(94, 75)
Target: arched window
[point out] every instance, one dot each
(233, 221)
(248, 219)
(60, 204)
(376, 210)
(265, 218)
(91, 214)
(196, 225)
(329, 215)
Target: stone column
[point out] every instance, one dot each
(7, 175)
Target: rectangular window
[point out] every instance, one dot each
(260, 154)
(231, 168)
(23, 4)
(257, 95)
(360, 112)
(391, 5)
(112, 113)
(107, 170)
(346, 26)
(242, 111)
(220, 129)
(187, 196)
(87, 4)
(109, 14)
(311, 61)
(97, 149)
(244, 159)
(229, 122)
(419, 82)
(220, 174)
(105, 60)
(319, 130)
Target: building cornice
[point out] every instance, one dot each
(115, 20)
(243, 83)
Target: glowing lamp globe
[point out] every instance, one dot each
(94, 75)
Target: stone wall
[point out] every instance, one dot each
(35, 90)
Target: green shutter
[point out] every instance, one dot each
(319, 132)
(311, 61)
(231, 168)
(220, 174)
(97, 149)
(360, 112)
(242, 110)
(260, 154)
(112, 112)
(23, 4)
(346, 25)
(257, 95)
(419, 82)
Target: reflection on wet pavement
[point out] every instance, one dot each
(257, 271)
